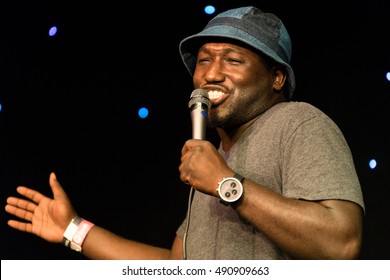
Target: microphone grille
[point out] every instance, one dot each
(199, 95)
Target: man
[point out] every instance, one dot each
(281, 185)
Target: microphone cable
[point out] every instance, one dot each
(190, 197)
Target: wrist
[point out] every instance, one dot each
(76, 232)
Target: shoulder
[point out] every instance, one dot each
(291, 117)
(294, 113)
(297, 109)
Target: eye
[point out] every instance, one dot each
(203, 59)
(234, 61)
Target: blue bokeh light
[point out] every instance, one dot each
(143, 112)
(388, 76)
(53, 31)
(372, 163)
(209, 9)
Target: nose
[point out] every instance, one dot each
(214, 73)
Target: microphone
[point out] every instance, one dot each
(199, 104)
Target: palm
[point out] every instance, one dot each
(46, 221)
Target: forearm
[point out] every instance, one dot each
(304, 229)
(103, 244)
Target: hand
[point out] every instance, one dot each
(202, 166)
(45, 217)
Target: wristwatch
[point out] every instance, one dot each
(230, 189)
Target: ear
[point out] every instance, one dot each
(280, 79)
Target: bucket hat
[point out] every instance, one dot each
(262, 31)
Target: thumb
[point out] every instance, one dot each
(58, 191)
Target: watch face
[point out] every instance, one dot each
(230, 189)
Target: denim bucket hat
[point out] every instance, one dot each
(263, 31)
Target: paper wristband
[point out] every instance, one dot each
(76, 232)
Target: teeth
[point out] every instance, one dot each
(213, 94)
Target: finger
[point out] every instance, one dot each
(30, 194)
(21, 203)
(19, 212)
(27, 227)
(184, 149)
(189, 144)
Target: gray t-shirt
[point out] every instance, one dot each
(295, 150)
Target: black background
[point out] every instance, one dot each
(69, 105)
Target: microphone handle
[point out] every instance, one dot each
(199, 119)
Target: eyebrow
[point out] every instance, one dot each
(224, 50)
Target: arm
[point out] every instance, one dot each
(329, 229)
(48, 218)
(102, 244)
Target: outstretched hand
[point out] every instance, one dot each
(45, 217)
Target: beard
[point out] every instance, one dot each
(231, 117)
(238, 110)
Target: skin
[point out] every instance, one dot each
(328, 229)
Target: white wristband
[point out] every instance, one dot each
(76, 232)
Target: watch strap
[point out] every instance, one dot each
(238, 177)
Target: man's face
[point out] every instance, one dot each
(239, 83)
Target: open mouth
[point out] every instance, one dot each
(216, 96)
